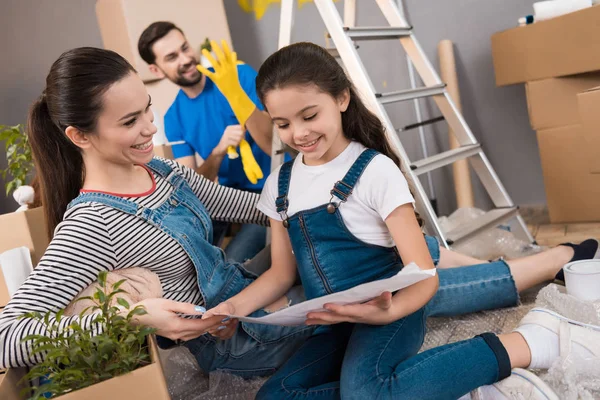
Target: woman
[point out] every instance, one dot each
(110, 205)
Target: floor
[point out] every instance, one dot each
(441, 330)
(548, 234)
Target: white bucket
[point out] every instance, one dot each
(582, 279)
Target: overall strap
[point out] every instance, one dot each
(285, 174)
(343, 189)
(118, 203)
(160, 167)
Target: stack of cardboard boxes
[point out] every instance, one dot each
(559, 62)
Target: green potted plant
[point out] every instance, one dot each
(78, 364)
(28, 227)
(18, 156)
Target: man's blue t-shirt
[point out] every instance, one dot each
(201, 121)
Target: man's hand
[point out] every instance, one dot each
(226, 79)
(232, 136)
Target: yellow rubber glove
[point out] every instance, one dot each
(226, 79)
(232, 153)
(251, 167)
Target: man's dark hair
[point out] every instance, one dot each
(151, 34)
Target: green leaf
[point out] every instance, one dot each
(102, 278)
(59, 315)
(123, 302)
(37, 338)
(139, 310)
(145, 331)
(10, 187)
(115, 286)
(100, 296)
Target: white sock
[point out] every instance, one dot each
(544, 347)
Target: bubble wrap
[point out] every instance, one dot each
(186, 381)
(489, 245)
(570, 376)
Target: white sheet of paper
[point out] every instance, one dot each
(16, 267)
(296, 314)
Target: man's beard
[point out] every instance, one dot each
(185, 82)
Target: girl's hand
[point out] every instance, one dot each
(227, 326)
(162, 314)
(378, 311)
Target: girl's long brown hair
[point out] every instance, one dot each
(306, 63)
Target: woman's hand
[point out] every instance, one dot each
(378, 311)
(164, 315)
(227, 326)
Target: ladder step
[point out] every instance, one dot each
(445, 158)
(410, 94)
(334, 52)
(489, 220)
(422, 123)
(377, 32)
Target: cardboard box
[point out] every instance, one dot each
(4, 296)
(572, 193)
(146, 383)
(589, 111)
(26, 228)
(164, 151)
(553, 102)
(121, 23)
(566, 45)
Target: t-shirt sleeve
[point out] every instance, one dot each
(247, 77)
(174, 133)
(386, 187)
(266, 204)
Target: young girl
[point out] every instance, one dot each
(342, 213)
(110, 205)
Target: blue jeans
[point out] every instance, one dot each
(356, 361)
(245, 244)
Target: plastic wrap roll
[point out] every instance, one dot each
(554, 8)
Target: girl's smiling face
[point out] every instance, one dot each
(309, 121)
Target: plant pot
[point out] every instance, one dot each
(145, 383)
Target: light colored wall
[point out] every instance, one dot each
(35, 32)
(497, 116)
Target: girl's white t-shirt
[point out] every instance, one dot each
(380, 190)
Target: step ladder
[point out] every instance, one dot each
(344, 37)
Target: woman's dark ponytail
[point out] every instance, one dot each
(58, 161)
(73, 97)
